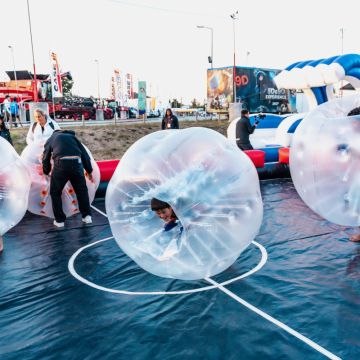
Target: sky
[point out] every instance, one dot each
(158, 41)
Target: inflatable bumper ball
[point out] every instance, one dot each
(325, 161)
(14, 187)
(39, 199)
(212, 188)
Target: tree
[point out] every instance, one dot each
(67, 85)
(175, 103)
(195, 104)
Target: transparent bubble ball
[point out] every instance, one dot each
(39, 199)
(14, 187)
(325, 161)
(213, 189)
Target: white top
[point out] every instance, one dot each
(7, 105)
(41, 134)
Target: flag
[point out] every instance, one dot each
(56, 85)
(129, 86)
(119, 96)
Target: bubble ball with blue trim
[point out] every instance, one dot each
(325, 160)
(212, 207)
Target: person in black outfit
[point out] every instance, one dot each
(243, 131)
(4, 131)
(169, 121)
(70, 160)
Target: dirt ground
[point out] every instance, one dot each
(111, 141)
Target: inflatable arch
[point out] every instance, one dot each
(317, 77)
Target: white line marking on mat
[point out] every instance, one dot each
(73, 272)
(268, 317)
(215, 285)
(99, 211)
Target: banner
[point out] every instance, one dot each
(256, 90)
(119, 95)
(219, 88)
(56, 86)
(112, 88)
(129, 86)
(142, 97)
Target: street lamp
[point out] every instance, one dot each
(33, 56)
(342, 40)
(234, 16)
(13, 60)
(247, 57)
(212, 42)
(98, 78)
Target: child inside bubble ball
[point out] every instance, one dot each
(165, 212)
(353, 112)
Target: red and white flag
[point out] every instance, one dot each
(56, 85)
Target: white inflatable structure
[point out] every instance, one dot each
(213, 189)
(14, 187)
(317, 77)
(39, 198)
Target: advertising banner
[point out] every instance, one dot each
(119, 96)
(142, 97)
(257, 92)
(56, 85)
(219, 88)
(129, 86)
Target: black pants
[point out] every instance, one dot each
(243, 146)
(68, 170)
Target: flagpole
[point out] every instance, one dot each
(51, 82)
(33, 56)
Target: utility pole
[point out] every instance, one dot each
(15, 77)
(342, 40)
(98, 80)
(234, 16)
(33, 56)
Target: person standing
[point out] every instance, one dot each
(243, 131)
(4, 131)
(42, 128)
(169, 121)
(6, 108)
(70, 160)
(14, 109)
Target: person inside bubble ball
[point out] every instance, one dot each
(165, 212)
(353, 112)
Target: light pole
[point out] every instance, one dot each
(212, 42)
(342, 53)
(98, 79)
(33, 56)
(234, 16)
(13, 60)
(342, 40)
(247, 57)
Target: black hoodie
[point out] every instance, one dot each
(64, 143)
(5, 133)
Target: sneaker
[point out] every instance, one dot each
(87, 219)
(59, 224)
